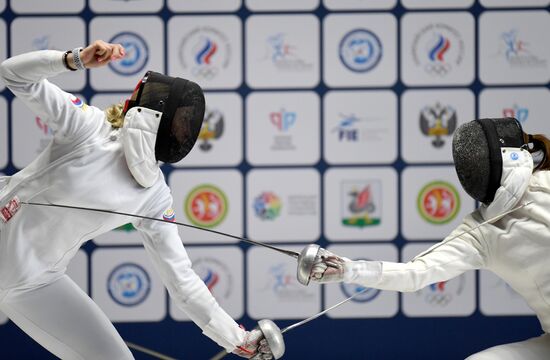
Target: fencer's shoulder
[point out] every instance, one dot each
(540, 179)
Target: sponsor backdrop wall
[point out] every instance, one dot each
(327, 121)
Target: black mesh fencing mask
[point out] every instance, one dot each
(477, 154)
(182, 105)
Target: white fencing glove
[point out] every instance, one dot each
(328, 267)
(254, 347)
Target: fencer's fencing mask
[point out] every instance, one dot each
(182, 105)
(477, 154)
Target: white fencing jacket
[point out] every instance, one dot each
(84, 165)
(516, 248)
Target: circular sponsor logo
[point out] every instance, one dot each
(438, 202)
(129, 284)
(514, 156)
(204, 52)
(438, 48)
(206, 206)
(267, 206)
(137, 54)
(360, 50)
(215, 274)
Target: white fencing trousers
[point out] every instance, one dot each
(537, 348)
(64, 320)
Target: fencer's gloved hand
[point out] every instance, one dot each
(328, 267)
(254, 347)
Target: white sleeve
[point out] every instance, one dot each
(441, 262)
(25, 75)
(165, 248)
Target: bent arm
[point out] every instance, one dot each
(26, 76)
(441, 262)
(164, 246)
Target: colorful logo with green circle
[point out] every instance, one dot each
(206, 206)
(438, 202)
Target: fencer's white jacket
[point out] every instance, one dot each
(84, 165)
(516, 248)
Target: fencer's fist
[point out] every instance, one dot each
(328, 267)
(254, 347)
(98, 53)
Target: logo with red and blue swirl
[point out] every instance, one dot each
(216, 275)
(438, 48)
(204, 52)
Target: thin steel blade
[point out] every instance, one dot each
(300, 323)
(290, 253)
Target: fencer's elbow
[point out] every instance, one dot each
(7, 75)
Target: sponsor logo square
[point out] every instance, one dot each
(282, 56)
(283, 128)
(273, 288)
(357, 124)
(204, 5)
(125, 6)
(283, 205)
(30, 134)
(360, 50)
(359, 4)
(514, 3)
(3, 133)
(360, 204)
(374, 303)
(221, 136)
(221, 270)
(433, 202)
(77, 270)
(126, 286)
(206, 49)
(528, 105)
(428, 121)
(209, 199)
(281, 5)
(455, 297)
(436, 4)
(50, 33)
(46, 7)
(144, 50)
(513, 47)
(437, 48)
(498, 298)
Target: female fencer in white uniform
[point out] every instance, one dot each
(494, 164)
(94, 163)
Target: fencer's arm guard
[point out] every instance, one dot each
(441, 262)
(26, 76)
(165, 248)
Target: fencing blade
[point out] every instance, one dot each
(292, 254)
(305, 321)
(274, 335)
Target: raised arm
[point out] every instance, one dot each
(26, 76)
